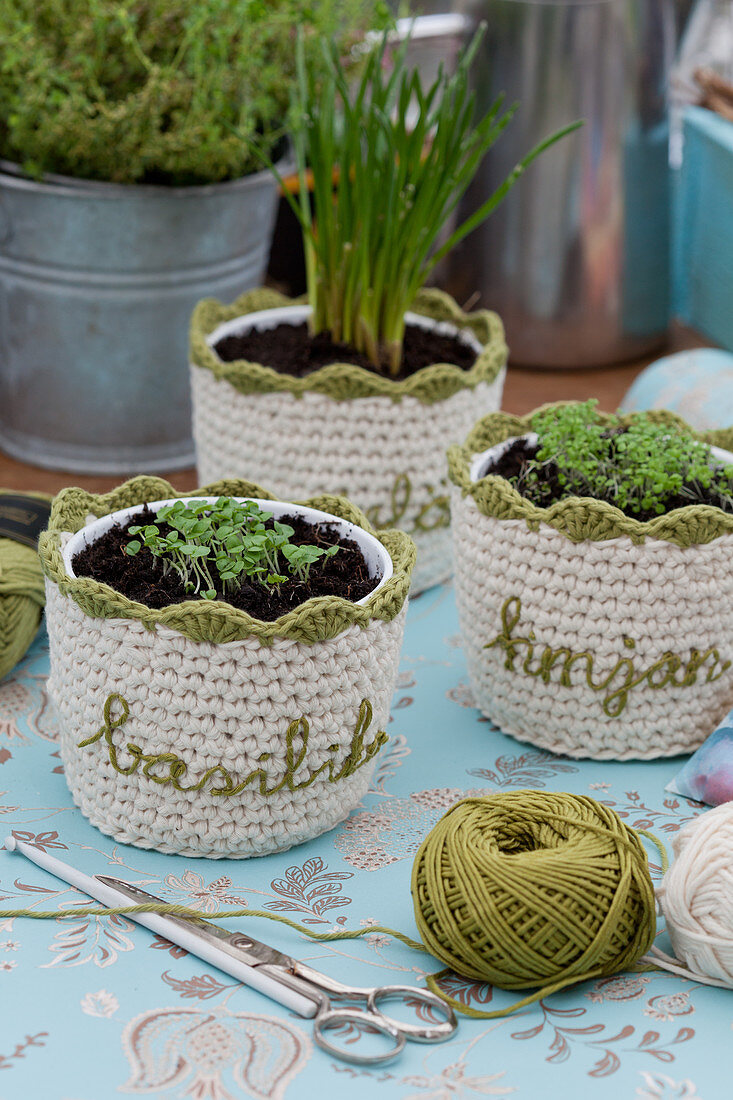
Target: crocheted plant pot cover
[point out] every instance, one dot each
(587, 632)
(345, 429)
(201, 730)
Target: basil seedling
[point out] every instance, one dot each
(218, 545)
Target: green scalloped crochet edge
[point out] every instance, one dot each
(582, 518)
(316, 620)
(345, 381)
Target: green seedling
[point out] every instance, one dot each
(223, 544)
(638, 467)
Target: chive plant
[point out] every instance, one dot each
(389, 162)
(225, 542)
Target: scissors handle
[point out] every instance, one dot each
(408, 994)
(329, 1018)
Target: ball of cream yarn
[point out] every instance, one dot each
(532, 888)
(696, 898)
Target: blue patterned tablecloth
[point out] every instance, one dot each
(96, 1008)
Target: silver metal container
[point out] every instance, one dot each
(97, 284)
(576, 259)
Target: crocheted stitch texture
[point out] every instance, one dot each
(581, 518)
(201, 730)
(380, 443)
(203, 707)
(217, 621)
(346, 381)
(586, 632)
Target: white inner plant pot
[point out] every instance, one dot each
(267, 319)
(376, 556)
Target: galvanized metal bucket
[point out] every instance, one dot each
(576, 258)
(97, 284)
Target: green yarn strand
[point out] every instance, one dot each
(521, 889)
(498, 1013)
(186, 911)
(431, 980)
(663, 857)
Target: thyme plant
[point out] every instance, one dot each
(643, 467)
(155, 91)
(224, 543)
(389, 162)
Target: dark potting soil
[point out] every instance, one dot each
(290, 349)
(140, 577)
(514, 463)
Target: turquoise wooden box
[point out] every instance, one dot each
(703, 227)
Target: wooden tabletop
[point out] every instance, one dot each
(524, 390)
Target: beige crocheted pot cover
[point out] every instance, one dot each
(345, 429)
(200, 730)
(587, 632)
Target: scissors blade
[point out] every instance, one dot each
(237, 944)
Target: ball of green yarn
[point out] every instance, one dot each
(21, 601)
(531, 888)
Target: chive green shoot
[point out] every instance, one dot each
(389, 162)
(223, 544)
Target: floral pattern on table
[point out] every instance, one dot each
(169, 1046)
(102, 1008)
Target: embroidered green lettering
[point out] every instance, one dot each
(622, 678)
(510, 614)
(433, 515)
(168, 769)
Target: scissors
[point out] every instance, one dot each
(318, 988)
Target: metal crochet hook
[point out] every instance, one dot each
(289, 982)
